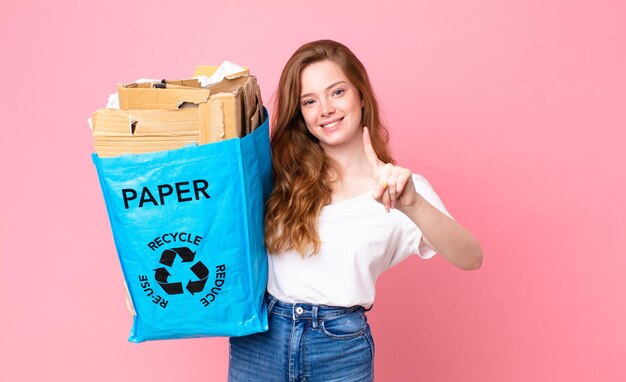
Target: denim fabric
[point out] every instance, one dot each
(305, 343)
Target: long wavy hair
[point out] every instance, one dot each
(302, 180)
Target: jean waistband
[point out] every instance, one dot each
(307, 311)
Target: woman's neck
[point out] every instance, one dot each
(355, 177)
(350, 160)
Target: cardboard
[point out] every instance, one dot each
(134, 97)
(193, 83)
(170, 114)
(209, 70)
(252, 104)
(117, 132)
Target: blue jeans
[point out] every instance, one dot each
(305, 343)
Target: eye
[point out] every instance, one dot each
(339, 92)
(307, 102)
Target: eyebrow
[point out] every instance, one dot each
(333, 85)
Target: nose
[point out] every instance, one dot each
(326, 108)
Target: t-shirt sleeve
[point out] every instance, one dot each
(412, 236)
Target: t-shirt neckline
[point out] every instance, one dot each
(341, 202)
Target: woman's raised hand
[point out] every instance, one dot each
(394, 184)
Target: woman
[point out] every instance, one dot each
(340, 214)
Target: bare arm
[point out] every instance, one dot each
(443, 234)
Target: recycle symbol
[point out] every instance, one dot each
(161, 275)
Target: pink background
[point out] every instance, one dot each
(514, 111)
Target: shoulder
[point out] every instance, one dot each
(418, 178)
(421, 182)
(424, 188)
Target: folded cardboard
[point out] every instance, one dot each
(169, 114)
(209, 70)
(243, 81)
(117, 132)
(191, 83)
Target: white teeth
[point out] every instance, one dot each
(332, 124)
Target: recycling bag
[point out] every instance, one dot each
(188, 229)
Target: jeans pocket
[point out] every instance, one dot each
(344, 327)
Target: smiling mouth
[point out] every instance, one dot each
(331, 124)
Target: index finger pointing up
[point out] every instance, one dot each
(370, 154)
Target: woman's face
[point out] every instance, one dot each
(330, 104)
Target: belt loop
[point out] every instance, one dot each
(314, 317)
(271, 304)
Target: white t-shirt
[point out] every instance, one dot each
(359, 241)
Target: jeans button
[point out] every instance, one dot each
(299, 310)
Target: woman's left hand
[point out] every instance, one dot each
(395, 188)
(394, 184)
